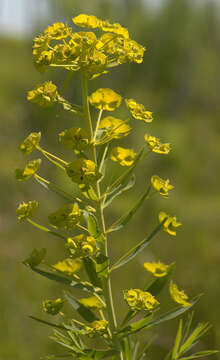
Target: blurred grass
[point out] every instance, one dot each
(179, 81)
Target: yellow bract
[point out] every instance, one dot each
(81, 245)
(155, 145)
(67, 216)
(29, 170)
(26, 210)
(170, 224)
(138, 111)
(53, 307)
(88, 21)
(115, 28)
(30, 143)
(58, 31)
(124, 157)
(92, 302)
(177, 295)
(44, 95)
(67, 266)
(74, 138)
(114, 128)
(161, 185)
(82, 171)
(105, 99)
(158, 269)
(140, 300)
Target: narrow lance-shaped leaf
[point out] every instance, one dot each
(90, 267)
(123, 220)
(199, 354)
(177, 340)
(136, 326)
(47, 323)
(119, 190)
(137, 249)
(199, 331)
(93, 226)
(84, 312)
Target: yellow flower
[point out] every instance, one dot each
(158, 269)
(53, 307)
(138, 111)
(115, 28)
(156, 146)
(30, 143)
(26, 210)
(87, 21)
(83, 171)
(161, 185)
(41, 53)
(58, 31)
(35, 258)
(114, 128)
(105, 99)
(68, 266)
(74, 138)
(92, 302)
(131, 51)
(177, 295)
(29, 170)
(97, 327)
(170, 223)
(81, 245)
(124, 157)
(67, 216)
(44, 95)
(140, 300)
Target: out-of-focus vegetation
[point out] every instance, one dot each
(180, 82)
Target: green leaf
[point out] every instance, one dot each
(200, 354)
(128, 216)
(98, 354)
(84, 312)
(173, 313)
(177, 340)
(102, 263)
(119, 190)
(90, 267)
(131, 254)
(51, 276)
(47, 323)
(54, 188)
(93, 226)
(199, 331)
(187, 326)
(136, 326)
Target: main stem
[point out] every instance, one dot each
(107, 289)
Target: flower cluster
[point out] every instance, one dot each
(158, 269)
(178, 296)
(74, 139)
(169, 223)
(44, 95)
(83, 50)
(138, 111)
(105, 99)
(155, 145)
(82, 171)
(160, 185)
(67, 217)
(81, 245)
(29, 170)
(97, 327)
(26, 210)
(140, 300)
(30, 142)
(53, 307)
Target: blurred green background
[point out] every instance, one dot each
(180, 82)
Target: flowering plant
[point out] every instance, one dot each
(80, 222)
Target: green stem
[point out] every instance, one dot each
(66, 83)
(97, 125)
(44, 152)
(101, 221)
